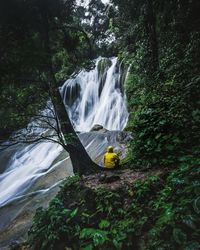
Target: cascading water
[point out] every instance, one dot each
(97, 97)
(94, 97)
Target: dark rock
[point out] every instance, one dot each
(102, 177)
(73, 204)
(15, 245)
(96, 127)
(110, 179)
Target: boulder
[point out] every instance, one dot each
(96, 127)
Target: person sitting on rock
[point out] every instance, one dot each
(111, 159)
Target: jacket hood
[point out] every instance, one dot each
(110, 149)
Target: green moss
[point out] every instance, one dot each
(103, 64)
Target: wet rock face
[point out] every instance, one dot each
(102, 67)
(96, 143)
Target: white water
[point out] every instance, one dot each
(92, 98)
(26, 166)
(99, 98)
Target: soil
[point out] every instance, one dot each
(115, 179)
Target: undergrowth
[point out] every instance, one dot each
(161, 212)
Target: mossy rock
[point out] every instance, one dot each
(103, 64)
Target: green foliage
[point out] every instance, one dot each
(98, 237)
(163, 99)
(158, 213)
(58, 222)
(160, 40)
(41, 43)
(18, 105)
(178, 221)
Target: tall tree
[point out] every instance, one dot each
(47, 29)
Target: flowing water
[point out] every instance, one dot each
(91, 97)
(97, 97)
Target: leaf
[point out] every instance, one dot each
(170, 147)
(189, 221)
(167, 216)
(158, 136)
(192, 246)
(179, 236)
(74, 213)
(196, 205)
(88, 247)
(104, 224)
(99, 238)
(86, 233)
(117, 244)
(91, 233)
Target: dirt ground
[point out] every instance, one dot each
(114, 179)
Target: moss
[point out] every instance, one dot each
(103, 64)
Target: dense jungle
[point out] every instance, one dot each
(76, 77)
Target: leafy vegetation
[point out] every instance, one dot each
(41, 43)
(45, 41)
(163, 86)
(161, 212)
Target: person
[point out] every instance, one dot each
(111, 159)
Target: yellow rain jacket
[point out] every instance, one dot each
(111, 159)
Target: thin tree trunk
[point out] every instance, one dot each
(81, 161)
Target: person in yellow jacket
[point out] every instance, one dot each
(111, 159)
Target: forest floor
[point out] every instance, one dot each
(79, 193)
(118, 181)
(114, 179)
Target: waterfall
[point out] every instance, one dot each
(97, 97)
(92, 97)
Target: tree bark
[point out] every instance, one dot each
(81, 161)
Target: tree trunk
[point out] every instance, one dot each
(81, 162)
